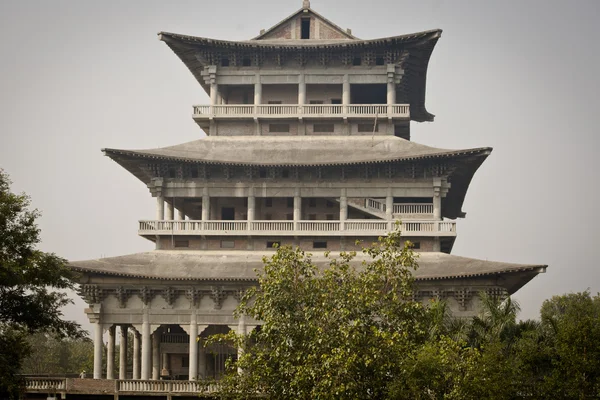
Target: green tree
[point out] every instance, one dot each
(334, 333)
(31, 285)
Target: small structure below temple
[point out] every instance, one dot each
(308, 144)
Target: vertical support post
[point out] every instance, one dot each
(156, 355)
(241, 330)
(110, 354)
(214, 95)
(389, 208)
(98, 345)
(123, 353)
(205, 205)
(136, 355)
(297, 208)
(160, 208)
(251, 207)
(437, 199)
(391, 88)
(436, 244)
(301, 91)
(146, 347)
(343, 209)
(171, 210)
(345, 94)
(193, 369)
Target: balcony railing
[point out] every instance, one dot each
(304, 110)
(295, 228)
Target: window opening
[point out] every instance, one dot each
(246, 62)
(319, 245)
(368, 127)
(227, 244)
(274, 244)
(312, 202)
(262, 173)
(356, 61)
(269, 202)
(320, 128)
(278, 128)
(224, 62)
(182, 243)
(379, 60)
(290, 202)
(305, 28)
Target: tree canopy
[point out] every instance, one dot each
(32, 285)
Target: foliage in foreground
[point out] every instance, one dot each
(32, 285)
(346, 333)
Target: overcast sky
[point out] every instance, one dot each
(519, 76)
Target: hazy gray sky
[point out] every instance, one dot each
(520, 76)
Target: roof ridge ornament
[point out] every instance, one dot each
(305, 4)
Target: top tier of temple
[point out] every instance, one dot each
(307, 52)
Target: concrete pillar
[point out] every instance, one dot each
(346, 93)
(201, 362)
(343, 209)
(301, 90)
(110, 354)
(251, 207)
(391, 92)
(136, 355)
(241, 330)
(214, 94)
(181, 214)
(389, 209)
(170, 211)
(123, 353)
(193, 369)
(98, 345)
(165, 365)
(156, 355)
(205, 207)
(160, 208)
(297, 209)
(258, 91)
(146, 348)
(436, 244)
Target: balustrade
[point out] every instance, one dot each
(305, 228)
(325, 110)
(413, 208)
(50, 384)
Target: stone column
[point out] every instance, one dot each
(251, 206)
(160, 208)
(136, 355)
(343, 209)
(297, 208)
(110, 354)
(98, 345)
(391, 87)
(205, 206)
(301, 90)
(181, 214)
(345, 93)
(156, 355)
(146, 348)
(257, 91)
(437, 203)
(436, 244)
(170, 210)
(165, 365)
(389, 209)
(214, 94)
(123, 353)
(193, 369)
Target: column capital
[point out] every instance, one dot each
(209, 73)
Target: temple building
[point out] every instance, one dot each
(308, 143)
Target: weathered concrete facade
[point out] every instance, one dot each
(308, 145)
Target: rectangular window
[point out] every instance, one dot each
(274, 102)
(246, 62)
(285, 173)
(272, 245)
(269, 202)
(305, 28)
(319, 245)
(185, 362)
(416, 245)
(262, 173)
(316, 102)
(312, 202)
(312, 217)
(182, 243)
(329, 204)
(194, 172)
(323, 128)
(368, 127)
(290, 202)
(336, 101)
(227, 244)
(278, 128)
(224, 62)
(356, 61)
(379, 60)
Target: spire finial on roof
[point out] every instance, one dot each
(305, 4)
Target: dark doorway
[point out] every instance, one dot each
(227, 213)
(305, 32)
(368, 93)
